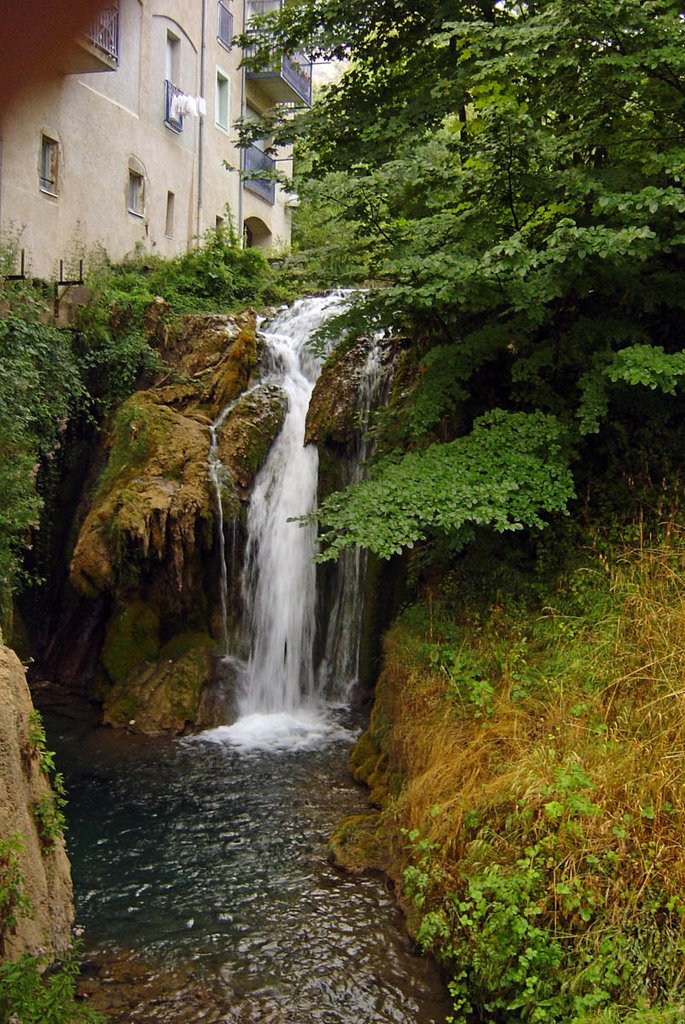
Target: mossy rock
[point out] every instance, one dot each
(250, 430)
(358, 844)
(183, 642)
(153, 500)
(235, 369)
(332, 413)
(131, 641)
(165, 696)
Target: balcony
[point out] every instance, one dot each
(224, 25)
(288, 80)
(172, 119)
(255, 160)
(98, 48)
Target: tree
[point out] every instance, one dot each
(518, 172)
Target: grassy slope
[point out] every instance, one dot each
(528, 767)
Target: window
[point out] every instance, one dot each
(170, 204)
(136, 193)
(49, 165)
(172, 66)
(224, 28)
(223, 86)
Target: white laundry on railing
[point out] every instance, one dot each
(183, 105)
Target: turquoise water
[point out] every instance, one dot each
(194, 852)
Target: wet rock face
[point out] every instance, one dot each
(152, 503)
(331, 418)
(43, 867)
(148, 537)
(250, 430)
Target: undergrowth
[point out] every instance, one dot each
(39, 989)
(541, 805)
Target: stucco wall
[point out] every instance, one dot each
(109, 121)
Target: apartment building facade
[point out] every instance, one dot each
(134, 145)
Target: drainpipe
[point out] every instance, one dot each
(243, 110)
(201, 126)
(1, 176)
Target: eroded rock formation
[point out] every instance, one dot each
(43, 869)
(147, 545)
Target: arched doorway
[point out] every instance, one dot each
(257, 234)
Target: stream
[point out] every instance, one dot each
(200, 863)
(191, 855)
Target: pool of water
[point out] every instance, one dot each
(201, 853)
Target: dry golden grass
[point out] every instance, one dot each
(602, 720)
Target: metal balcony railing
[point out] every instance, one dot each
(257, 7)
(224, 29)
(104, 34)
(295, 71)
(172, 119)
(255, 160)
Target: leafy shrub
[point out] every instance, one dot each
(48, 809)
(37, 990)
(14, 902)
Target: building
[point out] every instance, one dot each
(132, 146)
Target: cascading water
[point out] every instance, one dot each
(278, 698)
(217, 475)
(279, 576)
(339, 669)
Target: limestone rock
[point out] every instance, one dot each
(152, 500)
(250, 430)
(165, 695)
(45, 869)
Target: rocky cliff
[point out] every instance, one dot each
(144, 614)
(36, 908)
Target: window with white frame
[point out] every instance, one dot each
(222, 100)
(136, 192)
(48, 172)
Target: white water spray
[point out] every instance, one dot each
(280, 700)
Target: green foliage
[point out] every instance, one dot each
(506, 474)
(217, 275)
(329, 247)
(514, 172)
(14, 903)
(48, 810)
(40, 389)
(37, 990)
(49, 816)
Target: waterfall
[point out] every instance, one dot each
(279, 698)
(279, 580)
(339, 669)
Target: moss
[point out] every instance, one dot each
(250, 430)
(184, 642)
(236, 368)
(132, 639)
(358, 844)
(151, 501)
(165, 696)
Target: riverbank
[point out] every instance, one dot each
(526, 770)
